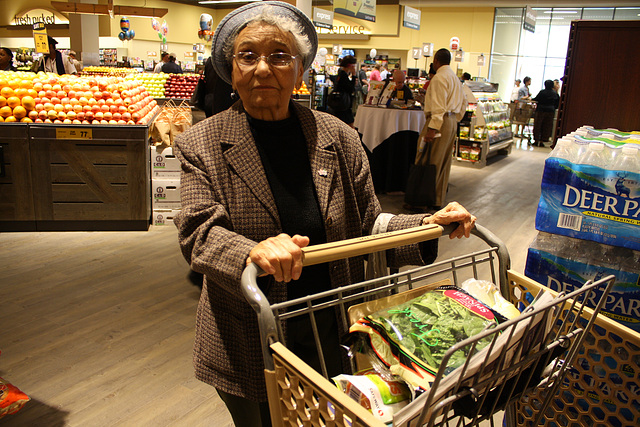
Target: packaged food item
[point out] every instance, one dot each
(383, 398)
(489, 294)
(412, 337)
(11, 398)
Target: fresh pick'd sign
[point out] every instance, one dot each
(411, 18)
(37, 15)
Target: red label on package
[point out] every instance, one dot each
(470, 303)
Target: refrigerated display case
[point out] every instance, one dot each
(485, 129)
(319, 92)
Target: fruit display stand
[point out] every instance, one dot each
(16, 190)
(485, 129)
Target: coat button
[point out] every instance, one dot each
(329, 221)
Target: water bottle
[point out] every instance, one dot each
(628, 160)
(594, 155)
(565, 149)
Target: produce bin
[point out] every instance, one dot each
(91, 177)
(17, 212)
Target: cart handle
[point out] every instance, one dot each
(326, 252)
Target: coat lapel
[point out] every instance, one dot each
(243, 157)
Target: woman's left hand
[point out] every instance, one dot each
(453, 212)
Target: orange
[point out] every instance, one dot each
(1, 119)
(3, 101)
(10, 119)
(27, 84)
(28, 102)
(6, 91)
(14, 84)
(6, 111)
(19, 112)
(13, 101)
(32, 93)
(20, 92)
(26, 120)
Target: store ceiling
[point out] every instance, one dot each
(446, 3)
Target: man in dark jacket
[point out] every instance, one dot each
(547, 101)
(171, 66)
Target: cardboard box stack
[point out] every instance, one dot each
(165, 184)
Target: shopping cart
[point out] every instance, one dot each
(522, 115)
(486, 384)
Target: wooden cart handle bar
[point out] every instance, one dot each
(333, 251)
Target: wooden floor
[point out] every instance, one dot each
(97, 327)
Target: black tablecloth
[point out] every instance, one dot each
(390, 161)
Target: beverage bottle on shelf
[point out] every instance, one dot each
(565, 149)
(628, 159)
(594, 155)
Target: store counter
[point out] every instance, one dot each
(390, 136)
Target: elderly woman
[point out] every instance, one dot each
(260, 181)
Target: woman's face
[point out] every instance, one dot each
(4, 58)
(266, 89)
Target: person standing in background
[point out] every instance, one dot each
(465, 77)
(171, 66)
(375, 74)
(444, 107)
(164, 58)
(556, 86)
(547, 100)
(345, 83)
(219, 94)
(514, 92)
(364, 84)
(54, 62)
(523, 91)
(384, 73)
(402, 92)
(6, 59)
(77, 64)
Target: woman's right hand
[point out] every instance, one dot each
(280, 256)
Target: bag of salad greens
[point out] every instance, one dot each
(412, 337)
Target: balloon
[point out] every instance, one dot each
(124, 23)
(132, 34)
(164, 28)
(206, 21)
(322, 51)
(373, 53)
(155, 24)
(201, 34)
(164, 40)
(122, 36)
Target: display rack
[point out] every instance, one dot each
(485, 129)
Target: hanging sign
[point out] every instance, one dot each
(40, 38)
(529, 23)
(361, 9)
(337, 49)
(459, 56)
(481, 60)
(411, 18)
(417, 52)
(323, 18)
(454, 43)
(427, 49)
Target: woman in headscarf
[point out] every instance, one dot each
(260, 181)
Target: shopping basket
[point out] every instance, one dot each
(534, 350)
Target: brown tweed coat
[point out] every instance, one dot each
(227, 208)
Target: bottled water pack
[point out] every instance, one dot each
(591, 188)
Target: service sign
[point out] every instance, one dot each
(361, 9)
(411, 18)
(481, 60)
(323, 18)
(417, 52)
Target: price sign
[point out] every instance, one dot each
(40, 39)
(69, 133)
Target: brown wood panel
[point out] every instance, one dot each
(113, 174)
(598, 90)
(90, 211)
(97, 154)
(84, 193)
(138, 174)
(16, 186)
(41, 177)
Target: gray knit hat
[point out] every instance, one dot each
(235, 21)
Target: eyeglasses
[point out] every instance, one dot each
(276, 59)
